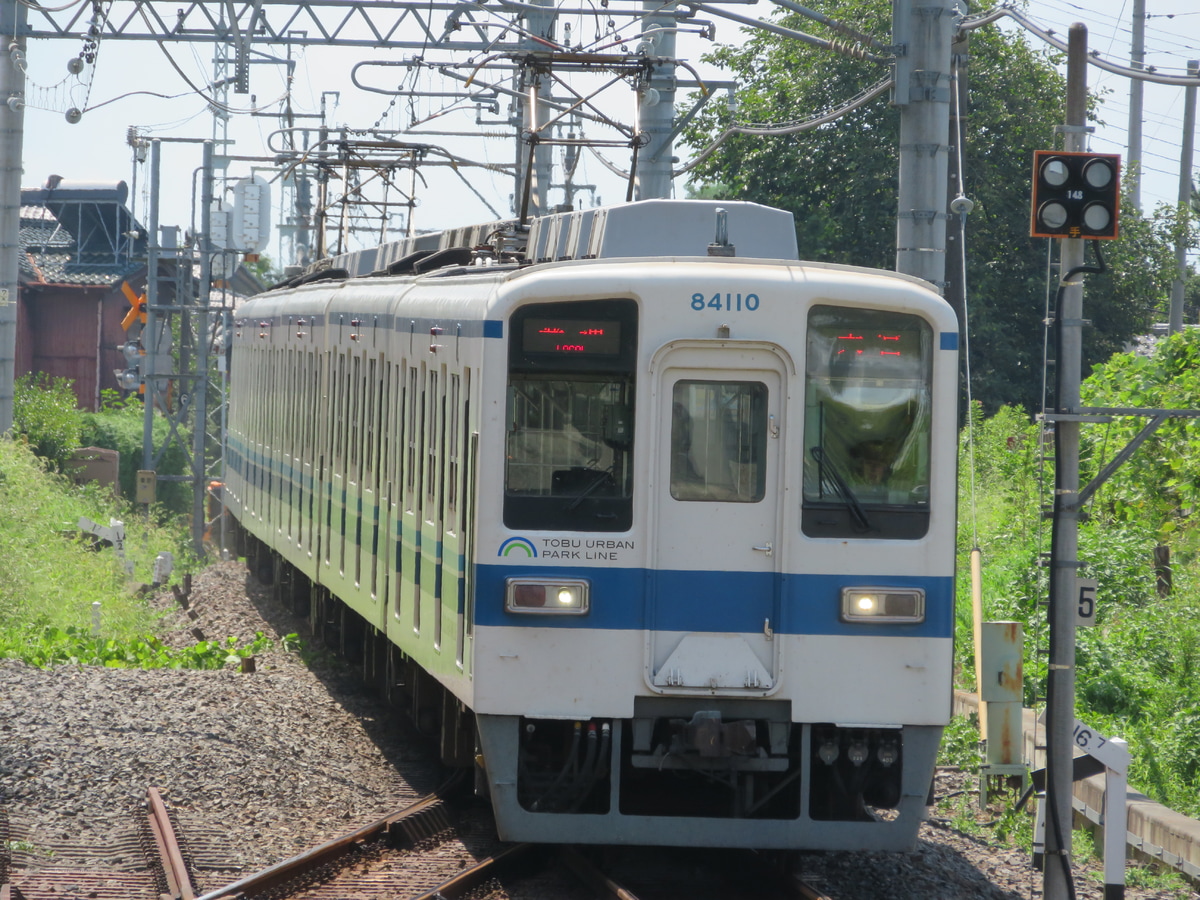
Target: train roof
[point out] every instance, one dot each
(729, 231)
(645, 228)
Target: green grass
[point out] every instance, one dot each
(52, 576)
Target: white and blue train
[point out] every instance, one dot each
(647, 520)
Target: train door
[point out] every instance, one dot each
(718, 492)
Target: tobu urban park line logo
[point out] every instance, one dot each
(518, 545)
(583, 549)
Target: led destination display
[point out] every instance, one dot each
(572, 337)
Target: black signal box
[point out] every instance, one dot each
(1075, 195)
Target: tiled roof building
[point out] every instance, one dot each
(79, 243)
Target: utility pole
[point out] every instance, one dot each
(956, 287)
(1187, 151)
(922, 92)
(534, 159)
(1060, 703)
(12, 127)
(1137, 60)
(656, 105)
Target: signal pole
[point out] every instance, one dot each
(1184, 197)
(1060, 702)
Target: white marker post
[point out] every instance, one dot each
(1113, 754)
(114, 533)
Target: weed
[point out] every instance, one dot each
(26, 847)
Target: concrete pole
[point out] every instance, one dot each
(1060, 704)
(1186, 154)
(656, 106)
(12, 129)
(924, 125)
(1137, 60)
(956, 288)
(534, 111)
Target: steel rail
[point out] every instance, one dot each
(170, 857)
(424, 817)
(597, 881)
(808, 892)
(469, 879)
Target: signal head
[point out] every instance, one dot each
(1075, 195)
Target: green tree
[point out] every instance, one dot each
(1191, 296)
(263, 268)
(840, 181)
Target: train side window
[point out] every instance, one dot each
(718, 441)
(452, 452)
(412, 401)
(867, 424)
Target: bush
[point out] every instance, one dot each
(120, 426)
(44, 411)
(1138, 668)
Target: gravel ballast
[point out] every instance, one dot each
(296, 752)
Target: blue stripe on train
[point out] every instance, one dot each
(713, 601)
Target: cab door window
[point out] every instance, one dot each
(718, 441)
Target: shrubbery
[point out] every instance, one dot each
(52, 575)
(120, 426)
(45, 415)
(1138, 669)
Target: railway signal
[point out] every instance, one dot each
(131, 378)
(1075, 195)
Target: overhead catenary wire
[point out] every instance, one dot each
(987, 18)
(862, 99)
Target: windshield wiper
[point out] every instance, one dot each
(832, 482)
(602, 476)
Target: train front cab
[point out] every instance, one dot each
(792, 609)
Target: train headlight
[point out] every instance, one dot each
(883, 605)
(562, 596)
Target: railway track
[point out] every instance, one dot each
(400, 855)
(145, 861)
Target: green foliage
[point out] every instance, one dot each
(45, 413)
(711, 192)
(1138, 669)
(77, 646)
(51, 577)
(264, 269)
(960, 743)
(840, 181)
(808, 172)
(1001, 488)
(120, 426)
(1163, 486)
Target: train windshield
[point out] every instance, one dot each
(867, 424)
(569, 438)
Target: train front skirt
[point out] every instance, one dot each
(721, 774)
